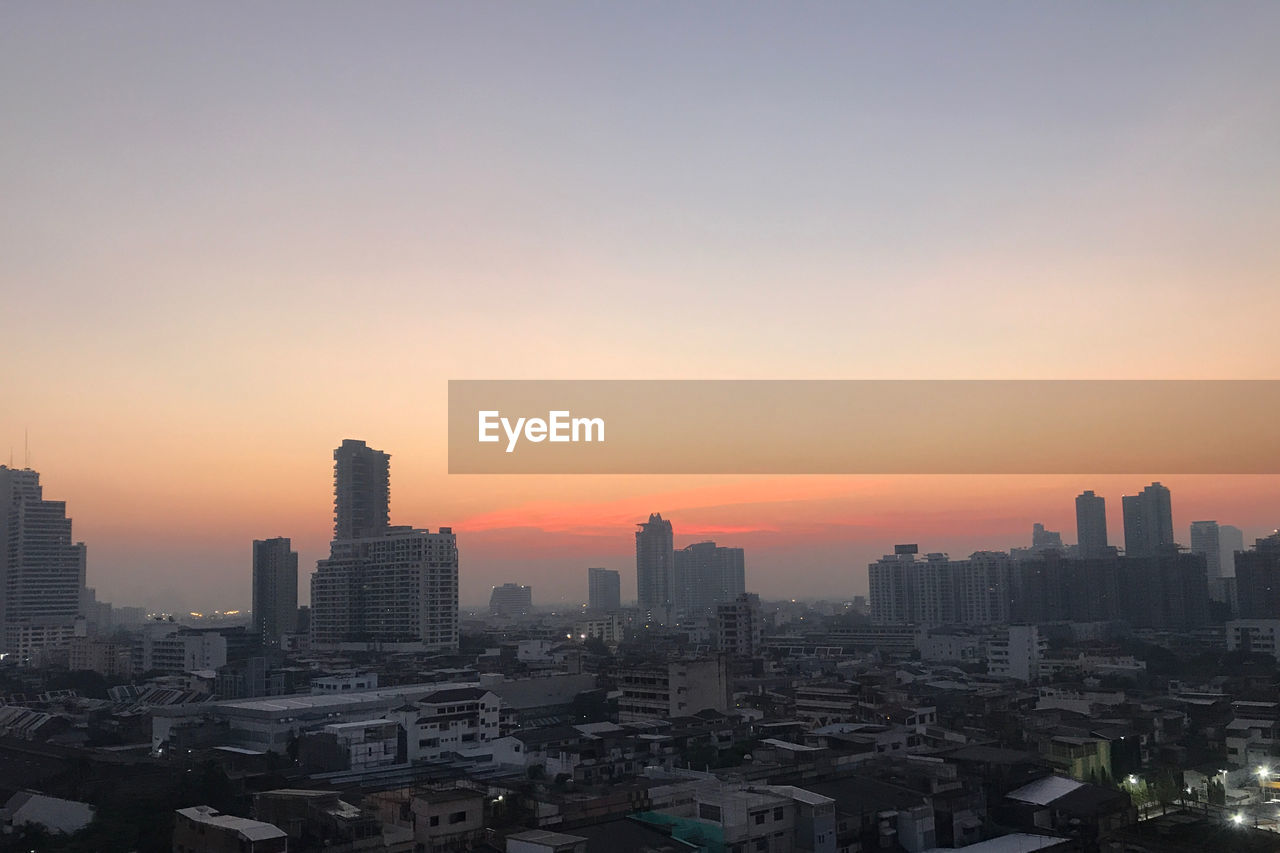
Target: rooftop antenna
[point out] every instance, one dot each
(26, 447)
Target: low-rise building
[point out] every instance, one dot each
(204, 829)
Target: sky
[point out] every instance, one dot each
(234, 234)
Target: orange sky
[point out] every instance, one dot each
(232, 240)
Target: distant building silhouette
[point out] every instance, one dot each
(939, 591)
(655, 568)
(511, 599)
(1091, 525)
(1166, 591)
(275, 589)
(42, 571)
(1148, 521)
(1258, 579)
(707, 575)
(1230, 541)
(604, 589)
(362, 490)
(1045, 540)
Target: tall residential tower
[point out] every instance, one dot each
(1091, 525)
(655, 568)
(382, 587)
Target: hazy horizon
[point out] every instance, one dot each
(236, 234)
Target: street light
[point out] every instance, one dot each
(1237, 819)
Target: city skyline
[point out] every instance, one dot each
(775, 546)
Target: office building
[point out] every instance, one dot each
(382, 587)
(1091, 525)
(707, 575)
(655, 568)
(42, 571)
(275, 589)
(1148, 521)
(604, 589)
(511, 599)
(362, 491)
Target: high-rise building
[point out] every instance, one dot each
(604, 589)
(1148, 521)
(42, 571)
(940, 591)
(381, 586)
(707, 575)
(1091, 525)
(1230, 540)
(361, 492)
(1258, 579)
(655, 568)
(511, 599)
(1205, 540)
(275, 589)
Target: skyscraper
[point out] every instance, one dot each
(42, 571)
(707, 575)
(1091, 525)
(361, 492)
(604, 589)
(1148, 521)
(382, 586)
(655, 568)
(275, 589)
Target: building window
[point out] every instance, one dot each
(458, 817)
(435, 820)
(758, 817)
(778, 813)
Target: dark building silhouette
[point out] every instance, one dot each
(1091, 525)
(604, 589)
(1168, 590)
(361, 492)
(707, 575)
(1045, 540)
(511, 599)
(1258, 579)
(655, 568)
(275, 589)
(1148, 521)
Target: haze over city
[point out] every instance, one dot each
(237, 236)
